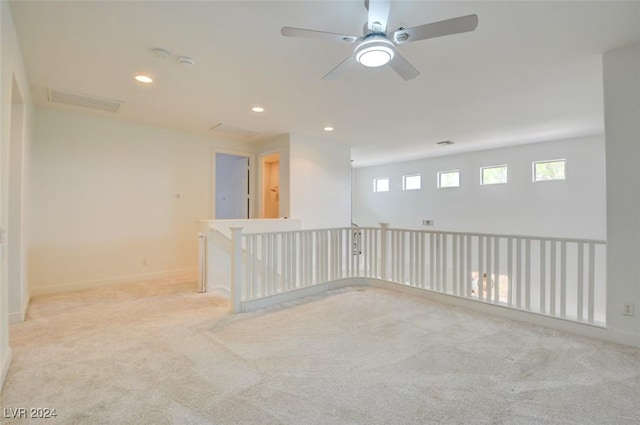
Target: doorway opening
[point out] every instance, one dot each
(232, 187)
(271, 185)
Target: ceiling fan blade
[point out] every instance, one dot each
(378, 14)
(339, 70)
(320, 35)
(436, 29)
(403, 67)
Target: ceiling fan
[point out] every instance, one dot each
(377, 47)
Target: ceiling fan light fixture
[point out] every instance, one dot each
(374, 52)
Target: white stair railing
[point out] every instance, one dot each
(556, 277)
(273, 263)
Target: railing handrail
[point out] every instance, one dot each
(504, 235)
(447, 232)
(310, 230)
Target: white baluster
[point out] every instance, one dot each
(236, 269)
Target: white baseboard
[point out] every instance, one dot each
(20, 316)
(220, 289)
(576, 328)
(284, 297)
(16, 317)
(6, 362)
(89, 284)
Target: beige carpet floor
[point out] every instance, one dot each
(160, 353)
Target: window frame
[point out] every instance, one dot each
(404, 181)
(439, 181)
(534, 174)
(505, 166)
(375, 184)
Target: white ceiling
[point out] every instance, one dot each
(530, 72)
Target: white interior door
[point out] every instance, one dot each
(232, 187)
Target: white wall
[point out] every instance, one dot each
(13, 176)
(320, 182)
(104, 200)
(571, 208)
(5, 351)
(621, 73)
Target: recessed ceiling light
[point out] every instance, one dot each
(257, 109)
(144, 78)
(445, 142)
(328, 128)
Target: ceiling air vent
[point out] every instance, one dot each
(230, 131)
(84, 101)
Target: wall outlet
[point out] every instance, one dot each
(627, 310)
(427, 222)
(144, 261)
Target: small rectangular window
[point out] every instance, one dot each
(496, 174)
(381, 184)
(549, 170)
(411, 182)
(448, 179)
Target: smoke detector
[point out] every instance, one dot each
(161, 53)
(186, 61)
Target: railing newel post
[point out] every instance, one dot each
(202, 262)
